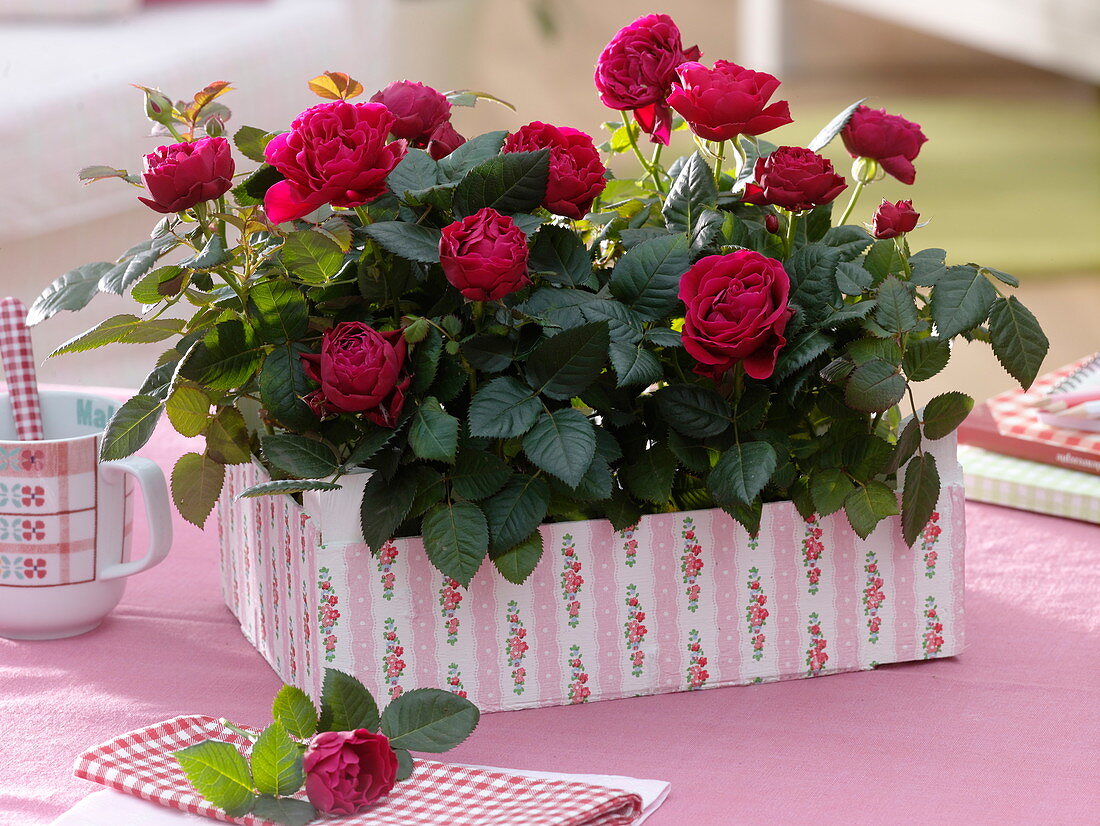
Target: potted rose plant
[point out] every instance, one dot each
(506, 336)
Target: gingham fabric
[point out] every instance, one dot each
(141, 763)
(18, 357)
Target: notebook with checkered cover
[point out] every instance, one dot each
(141, 763)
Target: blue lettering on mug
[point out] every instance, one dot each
(89, 414)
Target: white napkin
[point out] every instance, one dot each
(113, 808)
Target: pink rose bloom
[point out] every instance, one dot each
(335, 153)
(347, 771)
(182, 175)
(576, 171)
(635, 71)
(444, 140)
(362, 371)
(727, 101)
(893, 219)
(891, 140)
(484, 256)
(418, 110)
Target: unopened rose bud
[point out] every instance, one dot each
(215, 127)
(892, 220)
(771, 223)
(865, 170)
(158, 106)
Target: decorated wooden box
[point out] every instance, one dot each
(682, 601)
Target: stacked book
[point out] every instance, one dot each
(1039, 450)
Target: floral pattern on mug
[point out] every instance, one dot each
(697, 674)
(328, 615)
(756, 615)
(691, 563)
(932, 640)
(392, 664)
(816, 656)
(873, 596)
(634, 631)
(22, 496)
(450, 597)
(32, 460)
(812, 549)
(928, 539)
(22, 530)
(517, 646)
(454, 680)
(571, 580)
(386, 557)
(22, 567)
(630, 545)
(579, 692)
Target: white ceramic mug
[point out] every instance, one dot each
(66, 520)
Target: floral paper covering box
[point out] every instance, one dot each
(681, 601)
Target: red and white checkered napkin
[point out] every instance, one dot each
(141, 763)
(18, 358)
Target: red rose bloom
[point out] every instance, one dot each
(184, 174)
(576, 171)
(891, 140)
(636, 69)
(484, 255)
(795, 179)
(419, 110)
(347, 771)
(891, 220)
(360, 370)
(736, 313)
(335, 153)
(444, 140)
(727, 101)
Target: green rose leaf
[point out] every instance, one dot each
(404, 764)
(416, 172)
(882, 259)
(801, 352)
(517, 510)
(122, 329)
(562, 443)
(368, 446)
(211, 255)
(1019, 343)
(647, 278)
(919, 496)
(874, 386)
(472, 153)
(429, 720)
(227, 438)
(693, 410)
(279, 311)
(312, 256)
(925, 358)
(907, 444)
(159, 284)
(829, 488)
(411, 241)
(503, 409)
(71, 291)
(650, 476)
(299, 456)
(927, 267)
(561, 257)
(285, 486)
(896, 310)
(284, 810)
(131, 427)
(456, 538)
(834, 127)
(565, 365)
(693, 192)
(251, 142)
(433, 434)
(961, 300)
(478, 474)
(283, 383)
(515, 182)
(518, 562)
(868, 505)
(197, 483)
(220, 774)
(852, 278)
(276, 762)
(741, 472)
(812, 269)
(385, 504)
(490, 354)
(634, 365)
(252, 189)
(226, 358)
(946, 412)
(346, 704)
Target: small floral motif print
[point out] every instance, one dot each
(454, 680)
(634, 631)
(816, 657)
(31, 496)
(697, 674)
(32, 459)
(22, 567)
(517, 647)
(932, 641)
(571, 580)
(630, 545)
(756, 615)
(328, 615)
(450, 597)
(928, 539)
(579, 692)
(691, 563)
(22, 530)
(392, 664)
(811, 553)
(386, 558)
(873, 596)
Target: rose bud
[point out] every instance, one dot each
(576, 171)
(184, 174)
(360, 370)
(419, 110)
(892, 220)
(346, 771)
(484, 255)
(891, 140)
(771, 223)
(335, 153)
(736, 313)
(795, 179)
(444, 141)
(727, 101)
(636, 69)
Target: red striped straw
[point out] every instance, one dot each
(18, 357)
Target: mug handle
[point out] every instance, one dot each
(158, 514)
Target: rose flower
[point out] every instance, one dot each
(418, 110)
(576, 171)
(891, 220)
(484, 256)
(346, 771)
(182, 175)
(795, 179)
(727, 101)
(891, 140)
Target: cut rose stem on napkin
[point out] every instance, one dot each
(18, 358)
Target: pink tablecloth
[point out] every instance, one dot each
(1007, 732)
